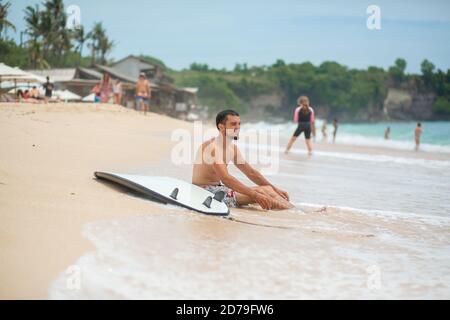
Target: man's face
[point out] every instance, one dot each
(232, 127)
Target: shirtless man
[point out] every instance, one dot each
(417, 133)
(143, 93)
(210, 169)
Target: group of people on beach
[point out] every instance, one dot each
(107, 89)
(33, 95)
(210, 169)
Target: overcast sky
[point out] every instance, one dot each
(223, 33)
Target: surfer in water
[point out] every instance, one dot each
(304, 116)
(210, 170)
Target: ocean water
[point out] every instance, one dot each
(365, 226)
(435, 137)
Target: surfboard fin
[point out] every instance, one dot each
(219, 196)
(174, 194)
(207, 202)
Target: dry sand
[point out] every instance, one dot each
(47, 191)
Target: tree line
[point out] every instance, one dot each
(340, 89)
(48, 42)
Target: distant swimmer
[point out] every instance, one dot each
(304, 116)
(324, 131)
(387, 133)
(335, 128)
(418, 133)
(210, 170)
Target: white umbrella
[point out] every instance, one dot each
(9, 77)
(10, 73)
(66, 95)
(89, 98)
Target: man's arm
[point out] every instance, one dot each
(236, 185)
(230, 181)
(253, 174)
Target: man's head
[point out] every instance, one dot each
(141, 75)
(419, 124)
(48, 78)
(228, 123)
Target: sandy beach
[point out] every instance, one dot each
(48, 156)
(54, 214)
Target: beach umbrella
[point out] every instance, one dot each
(89, 98)
(10, 77)
(66, 95)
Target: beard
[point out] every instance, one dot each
(232, 134)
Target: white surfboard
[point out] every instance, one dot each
(171, 190)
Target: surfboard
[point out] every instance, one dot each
(172, 191)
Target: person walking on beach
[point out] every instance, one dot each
(210, 169)
(335, 128)
(143, 93)
(117, 91)
(48, 86)
(387, 133)
(304, 116)
(418, 133)
(324, 131)
(105, 88)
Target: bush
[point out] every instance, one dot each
(442, 106)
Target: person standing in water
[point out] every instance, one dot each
(335, 127)
(418, 133)
(304, 116)
(387, 132)
(324, 131)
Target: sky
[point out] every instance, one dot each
(222, 33)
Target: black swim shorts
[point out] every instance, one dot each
(303, 127)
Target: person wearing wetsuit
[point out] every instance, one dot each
(304, 116)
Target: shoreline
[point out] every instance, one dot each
(48, 192)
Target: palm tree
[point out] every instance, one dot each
(33, 20)
(96, 36)
(58, 35)
(105, 47)
(4, 22)
(34, 30)
(36, 56)
(80, 38)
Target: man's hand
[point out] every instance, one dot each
(264, 201)
(282, 193)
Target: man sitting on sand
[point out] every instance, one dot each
(210, 169)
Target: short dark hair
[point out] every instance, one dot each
(222, 116)
(419, 124)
